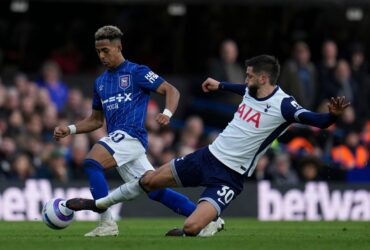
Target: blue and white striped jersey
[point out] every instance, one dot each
(123, 95)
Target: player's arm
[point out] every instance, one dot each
(211, 84)
(295, 113)
(172, 96)
(91, 123)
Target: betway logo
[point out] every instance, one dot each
(315, 202)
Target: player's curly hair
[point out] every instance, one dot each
(265, 63)
(109, 32)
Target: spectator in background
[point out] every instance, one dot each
(195, 126)
(73, 106)
(8, 150)
(15, 124)
(328, 63)
(343, 85)
(351, 154)
(150, 123)
(50, 121)
(299, 76)
(35, 149)
(51, 80)
(77, 154)
(282, 172)
(262, 169)
(190, 135)
(309, 168)
(22, 168)
(55, 167)
(360, 73)
(227, 68)
(12, 101)
(21, 83)
(168, 136)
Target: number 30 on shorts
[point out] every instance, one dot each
(117, 136)
(226, 195)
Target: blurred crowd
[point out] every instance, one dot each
(30, 109)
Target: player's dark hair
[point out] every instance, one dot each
(267, 64)
(109, 32)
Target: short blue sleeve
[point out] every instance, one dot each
(96, 103)
(146, 78)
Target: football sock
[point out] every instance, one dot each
(106, 216)
(95, 174)
(125, 192)
(177, 202)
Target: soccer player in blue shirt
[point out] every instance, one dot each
(121, 96)
(264, 113)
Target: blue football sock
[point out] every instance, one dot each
(95, 173)
(177, 202)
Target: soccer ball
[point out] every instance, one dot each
(56, 215)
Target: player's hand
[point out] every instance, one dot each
(210, 85)
(61, 132)
(162, 119)
(337, 105)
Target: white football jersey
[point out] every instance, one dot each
(255, 125)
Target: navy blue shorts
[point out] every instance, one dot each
(201, 168)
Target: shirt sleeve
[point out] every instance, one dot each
(293, 112)
(96, 103)
(147, 79)
(233, 87)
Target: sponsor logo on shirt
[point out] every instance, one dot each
(249, 115)
(151, 76)
(112, 102)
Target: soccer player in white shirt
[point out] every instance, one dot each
(265, 112)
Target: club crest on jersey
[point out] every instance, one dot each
(267, 108)
(124, 82)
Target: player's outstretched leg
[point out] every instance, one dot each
(204, 214)
(99, 188)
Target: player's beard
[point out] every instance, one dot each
(252, 90)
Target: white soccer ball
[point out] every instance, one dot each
(56, 215)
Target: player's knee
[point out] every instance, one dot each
(192, 227)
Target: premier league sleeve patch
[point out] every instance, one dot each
(124, 81)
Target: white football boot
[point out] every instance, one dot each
(105, 228)
(212, 228)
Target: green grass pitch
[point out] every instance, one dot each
(148, 234)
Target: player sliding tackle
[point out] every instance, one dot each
(265, 112)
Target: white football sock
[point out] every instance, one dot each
(125, 192)
(106, 216)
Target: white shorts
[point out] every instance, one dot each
(129, 154)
